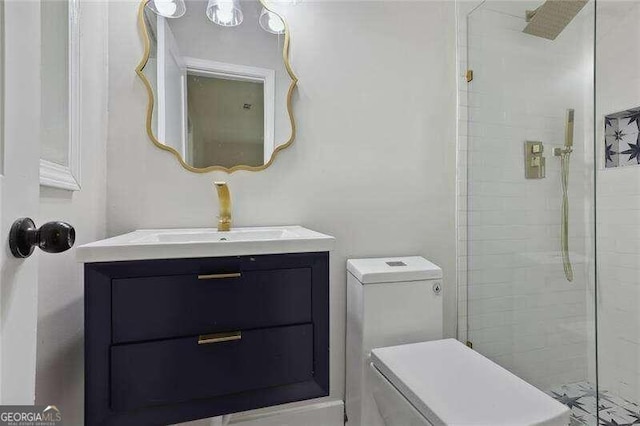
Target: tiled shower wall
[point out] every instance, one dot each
(618, 204)
(521, 312)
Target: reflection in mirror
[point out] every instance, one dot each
(220, 81)
(59, 88)
(55, 81)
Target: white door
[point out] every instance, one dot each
(172, 83)
(19, 192)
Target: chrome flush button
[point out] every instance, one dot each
(437, 287)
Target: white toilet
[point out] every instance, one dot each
(401, 373)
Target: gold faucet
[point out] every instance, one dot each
(224, 199)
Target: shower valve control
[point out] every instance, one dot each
(534, 162)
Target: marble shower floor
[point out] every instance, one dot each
(581, 399)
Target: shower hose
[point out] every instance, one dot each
(564, 231)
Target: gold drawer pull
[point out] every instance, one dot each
(219, 276)
(205, 339)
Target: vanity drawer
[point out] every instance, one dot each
(178, 370)
(146, 308)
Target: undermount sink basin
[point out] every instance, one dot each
(205, 242)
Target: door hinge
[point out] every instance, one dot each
(469, 344)
(469, 76)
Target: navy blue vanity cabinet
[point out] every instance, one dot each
(174, 340)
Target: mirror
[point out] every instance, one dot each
(219, 82)
(59, 88)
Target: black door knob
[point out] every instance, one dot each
(52, 237)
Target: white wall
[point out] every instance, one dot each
(520, 310)
(60, 359)
(618, 195)
(373, 163)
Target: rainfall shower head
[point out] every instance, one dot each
(552, 17)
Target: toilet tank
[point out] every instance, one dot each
(390, 301)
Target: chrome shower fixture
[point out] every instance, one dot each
(552, 17)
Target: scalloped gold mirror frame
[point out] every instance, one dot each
(151, 102)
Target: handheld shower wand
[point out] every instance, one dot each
(568, 133)
(565, 154)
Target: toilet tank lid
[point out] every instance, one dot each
(452, 384)
(393, 269)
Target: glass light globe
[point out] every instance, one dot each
(227, 13)
(168, 8)
(271, 22)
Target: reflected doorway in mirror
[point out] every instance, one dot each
(220, 97)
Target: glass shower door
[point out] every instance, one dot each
(527, 308)
(618, 211)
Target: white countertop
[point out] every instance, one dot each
(148, 244)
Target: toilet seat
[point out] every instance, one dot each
(450, 384)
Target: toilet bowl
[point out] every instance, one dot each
(444, 382)
(392, 407)
(400, 370)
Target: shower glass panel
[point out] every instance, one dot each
(530, 291)
(618, 210)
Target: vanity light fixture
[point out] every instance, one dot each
(271, 22)
(168, 8)
(227, 13)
